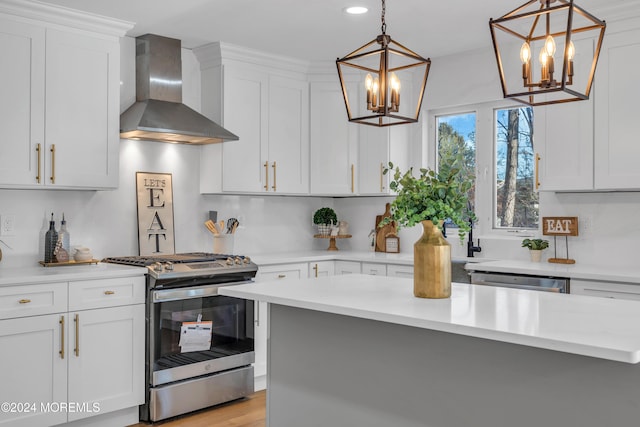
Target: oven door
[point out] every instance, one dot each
(194, 331)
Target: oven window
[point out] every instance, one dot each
(231, 329)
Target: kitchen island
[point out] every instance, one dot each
(360, 350)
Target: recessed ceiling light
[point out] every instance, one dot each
(356, 10)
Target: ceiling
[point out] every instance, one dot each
(318, 30)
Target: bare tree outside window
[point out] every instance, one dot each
(516, 199)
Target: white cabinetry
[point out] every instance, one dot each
(59, 102)
(605, 289)
(616, 107)
(347, 267)
(374, 269)
(86, 352)
(394, 270)
(265, 102)
(321, 268)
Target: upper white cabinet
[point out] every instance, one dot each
(616, 111)
(267, 106)
(59, 99)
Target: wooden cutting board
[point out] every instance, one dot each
(381, 233)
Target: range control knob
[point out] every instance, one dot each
(229, 261)
(156, 266)
(247, 260)
(168, 266)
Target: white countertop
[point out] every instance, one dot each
(589, 326)
(40, 274)
(573, 271)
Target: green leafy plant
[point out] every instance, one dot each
(436, 196)
(325, 216)
(535, 244)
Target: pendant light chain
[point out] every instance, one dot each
(384, 24)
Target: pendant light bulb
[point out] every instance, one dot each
(550, 46)
(368, 82)
(571, 51)
(543, 57)
(525, 53)
(395, 82)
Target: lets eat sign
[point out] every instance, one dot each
(155, 213)
(560, 226)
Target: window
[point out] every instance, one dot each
(516, 202)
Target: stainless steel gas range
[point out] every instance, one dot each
(199, 344)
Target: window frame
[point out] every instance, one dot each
(486, 157)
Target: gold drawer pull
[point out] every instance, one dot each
(77, 321)
(281, 276)
(39, 163)
(24, 301)
(61, 337)
(53, 163)
(109, 292)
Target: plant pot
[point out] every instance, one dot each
(536, 255)
(324, 229)
(431, 264)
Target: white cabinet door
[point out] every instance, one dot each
(347, 267)
(321, 269)
(616, 147)
(33, 369)
(374, 269)
(21, 101)
(82, 111)
(373, 157)
(288, 153)
(245, 105)
(564, 141)
(394, 270)
(281, 272)
(334, 142)
(605, 289)
(106, 358)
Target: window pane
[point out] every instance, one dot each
(516, 200)
(457, 133)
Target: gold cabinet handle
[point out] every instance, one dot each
(24, 301)
(274, 176)
(316, 269)
(537, 184)
(381, 177)
(61, 337)
(39, 163)
(53, 163)
(77, 321)
(352, 177)
(281, 276)
(109, 292)
(266, 176)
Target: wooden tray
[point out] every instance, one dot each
(72, 262)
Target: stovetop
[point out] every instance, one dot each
(186, 265)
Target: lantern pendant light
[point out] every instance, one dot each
(373, 76)
(562, 34)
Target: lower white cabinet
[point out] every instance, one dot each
(347, 267)
(91, 360)
(605, 289)
(374, 269)
(321, 268)
(395, 270)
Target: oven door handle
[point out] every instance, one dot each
(190, 292)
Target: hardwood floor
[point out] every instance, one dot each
(248, 412)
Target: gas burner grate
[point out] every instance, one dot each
(144, 261)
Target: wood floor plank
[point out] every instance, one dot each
(247, 412)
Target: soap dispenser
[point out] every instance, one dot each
(64, 235)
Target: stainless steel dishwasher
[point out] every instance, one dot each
(518, 281)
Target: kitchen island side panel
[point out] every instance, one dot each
(328, 369)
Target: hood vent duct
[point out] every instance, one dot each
(159, 114)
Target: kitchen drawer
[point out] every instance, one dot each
(282, 272)
(394, 270)
(347, 267)
(374, 269)
(32, 300)
(88, 294)
(604, 289)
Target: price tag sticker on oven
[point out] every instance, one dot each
(195, 336)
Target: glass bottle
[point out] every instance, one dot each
(64, 235)
(50, 241)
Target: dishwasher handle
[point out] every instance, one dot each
(527, 287)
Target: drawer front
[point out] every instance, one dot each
(394, 270)
(88, 294)
(604, 289)
(282, 272)
(32, 300)
(374, 269)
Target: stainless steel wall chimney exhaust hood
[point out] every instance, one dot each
(159, 114)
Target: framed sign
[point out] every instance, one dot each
(560, 225)
(155, 213)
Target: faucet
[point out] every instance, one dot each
(470, 248)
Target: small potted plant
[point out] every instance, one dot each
(324, 218)
(535, 246)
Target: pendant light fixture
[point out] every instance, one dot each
(373, 76)
(547, 51)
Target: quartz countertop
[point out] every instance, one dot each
(40, 274)
(590, 326)
(629, 274)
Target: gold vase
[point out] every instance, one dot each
(431, 264)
